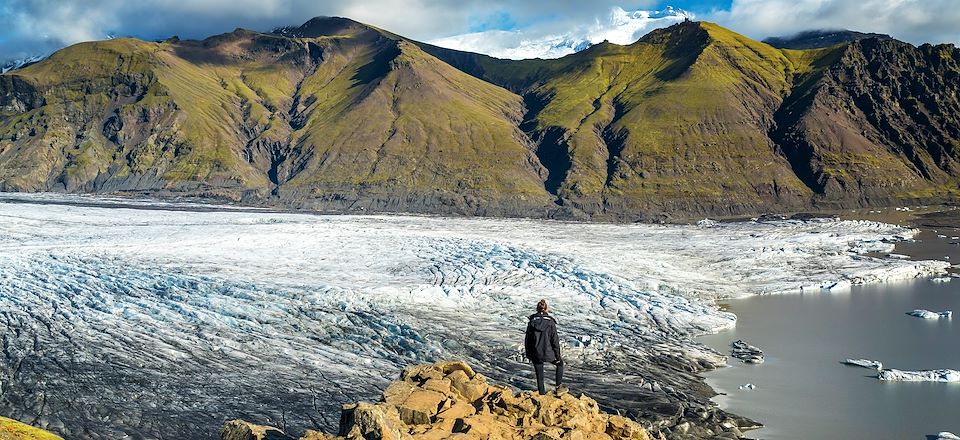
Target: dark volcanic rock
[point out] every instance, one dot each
(820, 39)
(880, 124)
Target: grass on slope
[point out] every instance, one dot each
(13, 430)
(679, 114)
(389, 115)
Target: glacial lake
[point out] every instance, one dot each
(803, 391)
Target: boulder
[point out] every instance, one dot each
(241, 430)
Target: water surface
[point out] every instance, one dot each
(802, 389)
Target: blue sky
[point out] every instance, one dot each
(29, 27)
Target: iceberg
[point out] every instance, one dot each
(944, 435)
(926, 314)
(920, 376)
(865, 363)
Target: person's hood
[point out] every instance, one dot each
(541, 322)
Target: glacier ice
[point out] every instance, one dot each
(865, 363)
(153, 316)
(926, 314)
(747, 353)
(920, 376)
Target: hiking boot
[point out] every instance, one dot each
(561, 390)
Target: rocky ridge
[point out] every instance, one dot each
(450, 400)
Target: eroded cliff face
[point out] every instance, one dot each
(691, 120)
(880, 123)
(450, 400)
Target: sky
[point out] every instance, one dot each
(32, 27)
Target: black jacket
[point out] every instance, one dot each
(542, 343)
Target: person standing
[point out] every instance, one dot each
(543, 345)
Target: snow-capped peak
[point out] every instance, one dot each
(620, 27)
(19, 62)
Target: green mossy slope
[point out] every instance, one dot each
(690, 120)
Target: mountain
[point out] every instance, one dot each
(620, 27)
(690, 120)
(821, 39)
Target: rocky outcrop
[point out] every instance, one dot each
(450, 400)
(821, 39)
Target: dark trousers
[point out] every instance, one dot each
(538, 368)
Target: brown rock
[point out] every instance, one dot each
(421, 406)
(241, 430)
(397, 392)
(472, 390)
(371, 422)
(450, 401)
(442, 386)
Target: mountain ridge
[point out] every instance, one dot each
(689, 120)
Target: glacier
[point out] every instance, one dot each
(148, 319)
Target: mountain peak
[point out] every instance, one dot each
(324, 27)
(815, 39)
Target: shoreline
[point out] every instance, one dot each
(936, 228)
(900, 215)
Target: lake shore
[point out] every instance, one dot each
(791, 329)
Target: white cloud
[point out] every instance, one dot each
(31, 26)
(28, 27)
(915, 21)
(619, 26)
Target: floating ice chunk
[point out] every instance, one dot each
(920, 376)
(746, 352)
(899, 256)
(944, 435)
(941, 279)
(707, 223)
(926, 314)
(748, 386)
(865, 363)
(941, 236)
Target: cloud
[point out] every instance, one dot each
(28, 27)
(914, 21)
(619, 26)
